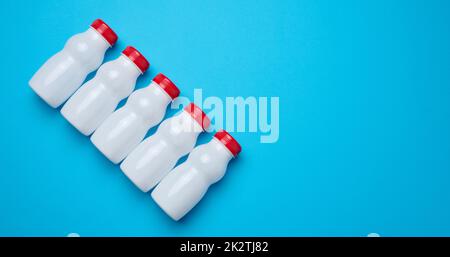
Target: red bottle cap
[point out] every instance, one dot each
(136, 57)
(198, 115)
(227, 140)
(105, 31)
(166, 84)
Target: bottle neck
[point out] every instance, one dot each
(190, 124)
(211, 160)
(181, 133)
(129, 66)
(221, 149)
(150, 103)
(96, 35)
(156, 90)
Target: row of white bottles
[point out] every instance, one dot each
(118, 134)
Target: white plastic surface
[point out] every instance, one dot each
(186, 185)
(99, 97)
(123, 130)
(61, 75)
(154, 157)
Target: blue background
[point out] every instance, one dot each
(364, 125)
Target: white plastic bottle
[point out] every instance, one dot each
(185, 186)
(154, 157)
(99, 97)
(123, 130)
(63, 73)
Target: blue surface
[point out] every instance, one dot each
(364, 145)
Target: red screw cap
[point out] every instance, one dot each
(105, 31)
(136, 57)
(167, 85)
(227, 140)
(198, 115)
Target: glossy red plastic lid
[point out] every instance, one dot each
(167, 85)
(227, 140)
(136, 57)
(105, 31)
(198, 115)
